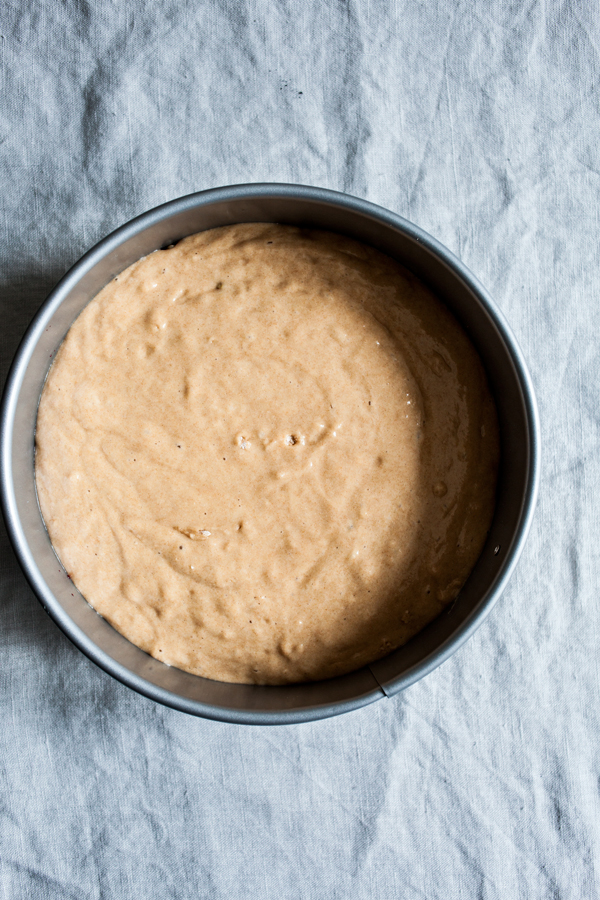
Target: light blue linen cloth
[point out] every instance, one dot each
(479, 121)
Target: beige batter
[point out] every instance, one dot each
(267, 455)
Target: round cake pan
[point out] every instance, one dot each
(306, 207)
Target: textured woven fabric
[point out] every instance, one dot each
(478, 120)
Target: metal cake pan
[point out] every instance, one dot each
(450, 280)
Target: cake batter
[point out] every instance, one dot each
(267, 455)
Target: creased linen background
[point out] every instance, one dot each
(479, 121)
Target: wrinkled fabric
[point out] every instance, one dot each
(479, 122)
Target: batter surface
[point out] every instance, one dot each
(267, 455)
